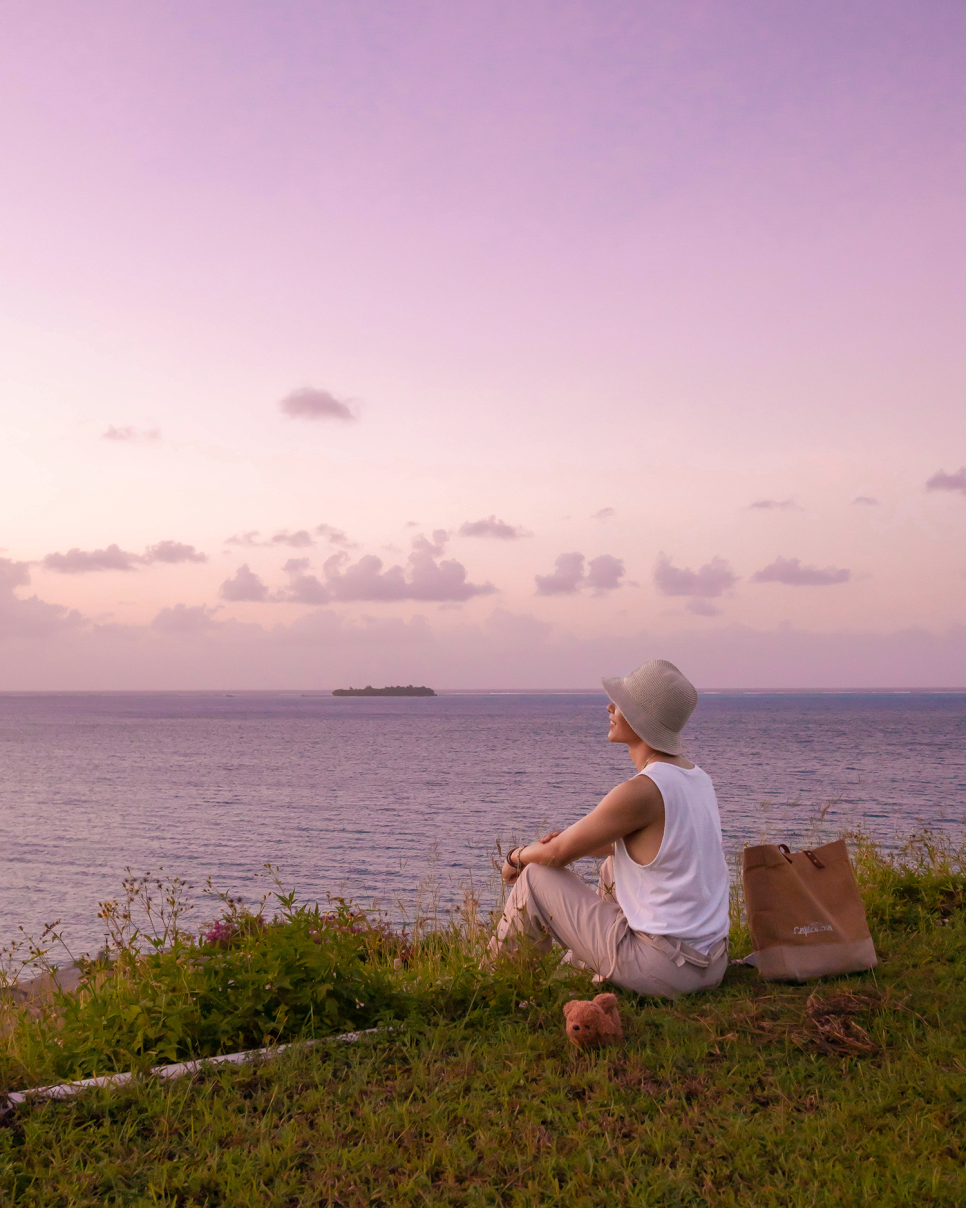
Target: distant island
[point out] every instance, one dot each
(368, 690)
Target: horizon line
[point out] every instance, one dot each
(818, 691)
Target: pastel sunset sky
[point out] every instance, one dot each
(482, 344)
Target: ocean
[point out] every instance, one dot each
(384, 799)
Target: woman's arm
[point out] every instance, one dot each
(607, 849)
(629, 807)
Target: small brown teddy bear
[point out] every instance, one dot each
(593, 1023)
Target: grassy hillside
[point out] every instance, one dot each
(846, 1092)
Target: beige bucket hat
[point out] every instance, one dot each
(657, 701)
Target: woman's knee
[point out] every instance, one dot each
(538, 878)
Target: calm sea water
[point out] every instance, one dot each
(373, 797)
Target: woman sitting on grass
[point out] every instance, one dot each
(658, 923)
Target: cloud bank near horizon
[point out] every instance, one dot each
(48, 646)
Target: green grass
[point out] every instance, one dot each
(845, 1092)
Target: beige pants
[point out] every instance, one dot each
(548, 904)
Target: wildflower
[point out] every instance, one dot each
(359, 1004)
(222, 932)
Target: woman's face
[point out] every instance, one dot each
(617, 728)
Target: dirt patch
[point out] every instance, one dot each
(831, 1026)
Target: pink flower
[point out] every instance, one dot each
(222, 932)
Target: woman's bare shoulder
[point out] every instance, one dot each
(638, 789)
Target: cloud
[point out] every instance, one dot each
(13, 574)
(770, 505)
(297, 540)
(426, 578)
(185, 619)
(172, 551)
(702, 607)
(300, 539)
(249, 538)
(244, 586)
(334, 536)
(84, 561)
(128, 434)
(604, 514)
(566, 577)
(709, 581)
(326, 648)
(867, 500)
(791, 572)
(32, 618)
(941, 481)
(302, 588)
(309, 403)
(434, 547)
(491, 527)
(81, 562)
(605, 573)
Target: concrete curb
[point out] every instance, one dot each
(67, 1090)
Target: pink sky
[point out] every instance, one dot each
(657, 291)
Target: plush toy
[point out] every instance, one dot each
(593, 1023)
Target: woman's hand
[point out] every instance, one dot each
(512, 865)
(549, 835)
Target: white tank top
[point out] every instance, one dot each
(683, 892)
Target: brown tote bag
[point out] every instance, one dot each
(804, 912)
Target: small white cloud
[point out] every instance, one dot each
(941, 481)
(173, 551)
(249, 538)
(566, 577)
(708, 581)
(297, 540)
(490, 526)
(605, 573)
(244, 587)
(83, 561)
(791, 572)
(334, 536)
(310, 403)
(130, 434)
